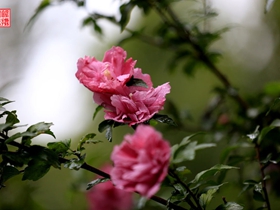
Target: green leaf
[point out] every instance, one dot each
(253, 136)
(205, 198)
(189, 67)
(96, 181)
(211, 172)
(75, 163)
(142, 202)
(125, 11)
(186, 150)
(12, 117)
(275, 102)
(204, 146)
(182, 172)
(13, 137)
(89, 138)
(35, 130)
(185, 153)
(3, 102)
(106, 125)
(229, 149)
(8, 172)
(229, 206)
(258, 196)
(136, 82)
(36, 169)
(17, 159)
(43, 5)
(5, 126)
(3, 99)
(91, 21)
(164, 119)
(263, 133)
(235, 159)
(45, 154)
(60, 147)
(98, 108)
(268, 5)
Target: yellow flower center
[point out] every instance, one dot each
(107, 74)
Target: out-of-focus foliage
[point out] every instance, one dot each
(245, 130)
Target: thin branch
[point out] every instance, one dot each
(188, 190)
(105, 175)
(87, 167)
(184, 33)
(257, 147)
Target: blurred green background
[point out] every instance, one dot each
(250, 58)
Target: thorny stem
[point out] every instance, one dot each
(257, 147)
(87, 167)
(188, 190)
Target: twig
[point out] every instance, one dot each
(105, 175)
(87, 167)
(257, 147)
(184, 33)
(188, 190)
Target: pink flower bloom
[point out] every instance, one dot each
(105, 196)
(141, 161)
(137, 107)
(107, 75)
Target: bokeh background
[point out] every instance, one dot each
(38, 65)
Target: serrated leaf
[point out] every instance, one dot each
(8, 172)
(96, 181)
(60, 147)
(164, 119)
(36, 169)
(136, 82)
(211, 172)
(86, 138)
(75, 163)
(35, 130)
(45, 154)
(229, 206)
